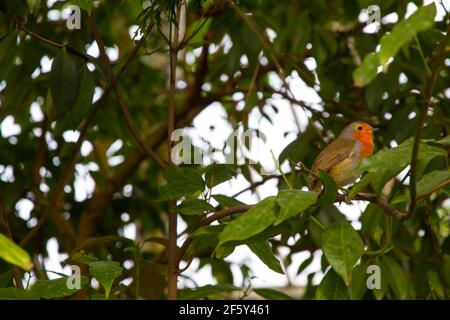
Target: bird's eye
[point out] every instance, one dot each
(359, 128)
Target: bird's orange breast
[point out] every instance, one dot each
(366, 140)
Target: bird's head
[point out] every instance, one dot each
(360, 131)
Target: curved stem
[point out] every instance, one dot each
(440, 55)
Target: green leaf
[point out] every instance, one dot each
(13, 293)
(359, 284)
(342, 247)
(181, 181)
(86, 88)
(54, 289)
(226, 201)
(84, 4)
(34, 5)
(250, 223)
(63, 84)
(389, 162)
(224, 251)
(329, 193)
(305, 263)
(8, 46)
(292, 202)
(332, 287)
(399, 280)
(200, 26)
(93, 241)
(264, 252)
(272, 294)
(435, 284)
(193, 207)
(358, 187)
(404, 31)
(432, 181)
(372, 223)
(202, 292)
(300, 148)
(385, 279)
(445, 141)
(12, 253)
(105, 272)
(83, 258)
(5, 278)
(391, 43)
(218, 173)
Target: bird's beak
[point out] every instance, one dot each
(375, 129)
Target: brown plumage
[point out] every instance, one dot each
(342, 156)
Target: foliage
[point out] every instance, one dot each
(77, 118)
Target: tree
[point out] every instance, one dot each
(110, 114)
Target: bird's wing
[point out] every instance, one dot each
(334, 153)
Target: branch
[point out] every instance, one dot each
(71, 49)
(389, 210)
(56, 195)
(207, 220)
(123, 107)
(431, 81)
(173, 248)
(193, 104)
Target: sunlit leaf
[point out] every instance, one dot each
(218, 173)
(332, 287)
(181, 181)
(251, 222)
(105, 272)
(12, 253)
(293, 202)
(342, 247)
(272, 294)
(433, 181)
(193, 207)
(55, 289)
(264, 252)
(391, 43)
(202, 292)
(226, 201)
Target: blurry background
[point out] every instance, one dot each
(281, 67)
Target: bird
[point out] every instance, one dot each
(341, 157)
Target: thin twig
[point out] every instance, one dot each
(123, 107)
(172, 289)
(428, 93)
(206, 221)
(68, 168)
(69, 48)
(437, 254)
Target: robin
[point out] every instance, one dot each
(342, 156)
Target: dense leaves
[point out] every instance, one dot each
(391, 43)
(255, 82)
(63, 85)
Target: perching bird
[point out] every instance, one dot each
(342, 156)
